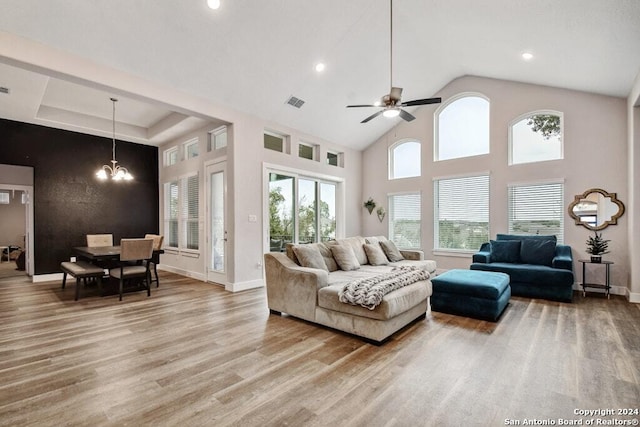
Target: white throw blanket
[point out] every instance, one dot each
(368, 292)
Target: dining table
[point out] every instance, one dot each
(105, 256)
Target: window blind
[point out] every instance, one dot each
(405, 220)
(190, 211)
(537, 209)
(462, 212)
(171, 213)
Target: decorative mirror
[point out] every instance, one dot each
(596, 209)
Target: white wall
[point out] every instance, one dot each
(633, 118)
(246, 158)
(595, 156)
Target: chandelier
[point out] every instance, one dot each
(117, 173)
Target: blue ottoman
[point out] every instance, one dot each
(479, 294)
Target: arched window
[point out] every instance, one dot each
(462, 127)
(536, 137)
(405, 159)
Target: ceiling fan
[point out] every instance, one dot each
(391, 103)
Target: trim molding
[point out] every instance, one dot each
(243, 286)
(37, 278)
(197, 276)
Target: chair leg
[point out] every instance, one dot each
(155, 271)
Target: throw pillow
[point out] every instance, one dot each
(345, 257)
(328, 257)
(505, 251)
(539, 252)
(392, 252)
(375, 254)
(309, 256)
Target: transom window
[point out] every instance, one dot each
(307, 151)
(217, 139)
(536, 137)
(276, 142)
(171, 156)
(405, 159)
(462, 127)
(191, 149)
(537, 209)
(461, 212)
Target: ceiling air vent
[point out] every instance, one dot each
(4, 89)
(295, 102)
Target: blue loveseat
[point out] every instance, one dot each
(537, 266)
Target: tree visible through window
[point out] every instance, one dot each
(315, 204)
(536, 137)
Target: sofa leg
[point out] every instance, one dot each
(277, 313)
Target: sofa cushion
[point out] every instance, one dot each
(427, 265)
(537, 252)
(375, 239)
(375, 254)
(505, 251)
(345, 257)
(393, 304)
(392, 252)
(356, 243)
(527, 236)
(536, 275)
(309, 256)
(327, 256)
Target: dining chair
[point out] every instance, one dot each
(139, 250)
(94, 240)
(155, 259)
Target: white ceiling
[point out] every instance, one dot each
(251, 55)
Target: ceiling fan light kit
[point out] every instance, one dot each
(392, 102)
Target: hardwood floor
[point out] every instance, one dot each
(193, 354)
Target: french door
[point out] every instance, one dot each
(217, 223)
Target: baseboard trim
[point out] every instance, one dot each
(243, 286)
(633, 297)
(37, 278)
(187, 273)
(615, 290)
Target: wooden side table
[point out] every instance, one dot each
(606, 286)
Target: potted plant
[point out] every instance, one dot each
(381, 213)
(370, 205)
(597, 246)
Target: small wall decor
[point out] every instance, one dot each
(597, 246)
(381, 213)
(370, 205)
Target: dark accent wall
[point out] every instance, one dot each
(69, 201)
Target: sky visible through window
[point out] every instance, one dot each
(528, 146)
(463, 128)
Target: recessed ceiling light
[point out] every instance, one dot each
(320, 67)
(213, 4)
(527, 56)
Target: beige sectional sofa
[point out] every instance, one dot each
(312, 293)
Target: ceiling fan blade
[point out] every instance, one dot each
(373, 116)
(421, 102)
(396, 93)
(363, 105)
(408, 117)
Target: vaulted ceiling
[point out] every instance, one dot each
(252, 55)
